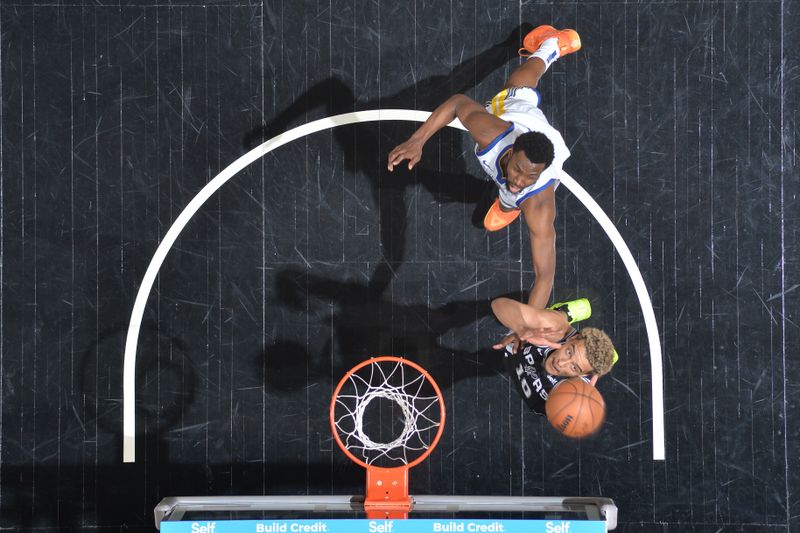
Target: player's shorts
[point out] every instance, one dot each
(519, 105)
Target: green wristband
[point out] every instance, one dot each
(576, 310)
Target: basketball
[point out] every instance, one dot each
(575, 408)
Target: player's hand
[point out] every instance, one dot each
(411, 150)
(539, 337)
(511, 338)
(543, 336)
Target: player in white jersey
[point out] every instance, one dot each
(516, 146)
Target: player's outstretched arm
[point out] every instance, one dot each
(540, 214)
(537, 326)
(482, 126)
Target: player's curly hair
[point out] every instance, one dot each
(599, 350)
(537, 147)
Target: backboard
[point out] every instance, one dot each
(387, 415)
(429, 513)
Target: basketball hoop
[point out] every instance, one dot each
(370, 438)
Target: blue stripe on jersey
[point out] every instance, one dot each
(499, 178)
(495, 141)
(533, 193)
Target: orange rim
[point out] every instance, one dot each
(415, 366)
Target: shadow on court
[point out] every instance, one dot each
(367, 323)
(365, 147)
(363, 315)
(170, 456)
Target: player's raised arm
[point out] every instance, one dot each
(482, 126)
(540, 214)
(531, 324)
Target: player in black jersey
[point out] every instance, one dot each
(543, 349)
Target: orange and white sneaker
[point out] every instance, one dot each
(497, 219)
(568, 40)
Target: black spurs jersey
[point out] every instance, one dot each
(526, 369)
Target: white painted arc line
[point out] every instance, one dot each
(645, 303)
(131, 342)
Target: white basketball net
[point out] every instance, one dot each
(409, 390)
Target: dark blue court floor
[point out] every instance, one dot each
(682, 122)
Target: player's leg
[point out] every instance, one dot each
(527, 74)
(542, 47)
